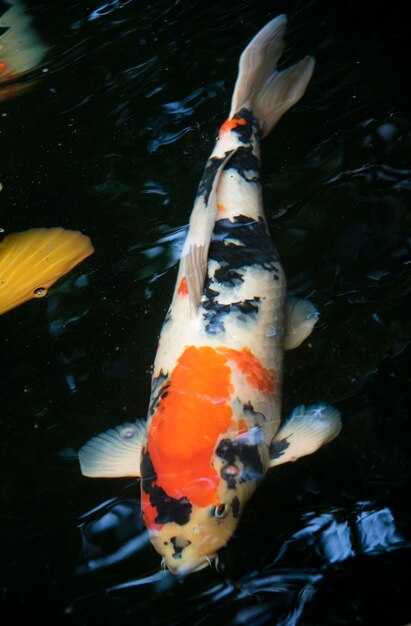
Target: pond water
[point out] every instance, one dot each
(111, 139)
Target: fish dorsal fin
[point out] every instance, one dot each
(202, 220)
(306, 430)
(196, 265)
(114, 453)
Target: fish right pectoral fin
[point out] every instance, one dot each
(306, 430)
(300, 318)
(115, 453)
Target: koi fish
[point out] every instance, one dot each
(21, 50)
(214, 418)
(33, 260)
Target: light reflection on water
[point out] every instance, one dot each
(336, 536)
(284, 587)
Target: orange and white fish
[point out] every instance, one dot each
(33, 260)
(21, 49)
(213, 427)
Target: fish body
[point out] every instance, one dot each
(217, 373)
(213, 427)
(21, 50)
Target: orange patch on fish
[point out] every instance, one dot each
(221, 211)
(183, 287)
(3, 67)
(193, 412)
(149, 512)
(242, 426)
(254, 371)
(230, 125)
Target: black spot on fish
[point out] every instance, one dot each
(255, 246)
(242, 454)
(207, 179)
(247, 132)
(236, 507)
(245, 163)
(179, 545)
(228, 276)
(257, 416)
(236, 244)
(169, 509)
(277, 448)
(159, 386)
(215, 311)
(243, 160)
(229, 473)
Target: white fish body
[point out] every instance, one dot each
(213, 427)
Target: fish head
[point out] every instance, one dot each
(194, 545)
(188, 535)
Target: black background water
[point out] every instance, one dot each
(112, 141)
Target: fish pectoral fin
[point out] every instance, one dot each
(306, 430)
(300, 318)
(32, 261)
(114, 453)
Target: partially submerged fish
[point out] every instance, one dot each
(213, 427)
(21, 49)
(33, 260)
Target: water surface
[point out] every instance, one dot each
(112, 140)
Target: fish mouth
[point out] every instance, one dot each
(185, 569)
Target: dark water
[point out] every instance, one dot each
(112, 141)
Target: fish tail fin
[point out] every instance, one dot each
(31, 261)
(260, 87)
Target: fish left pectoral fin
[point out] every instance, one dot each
(306, 430)
(300, 318)
(115, 453)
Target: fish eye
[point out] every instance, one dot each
(40, 292)
(220, 511)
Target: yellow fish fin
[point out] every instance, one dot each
(32, 261)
